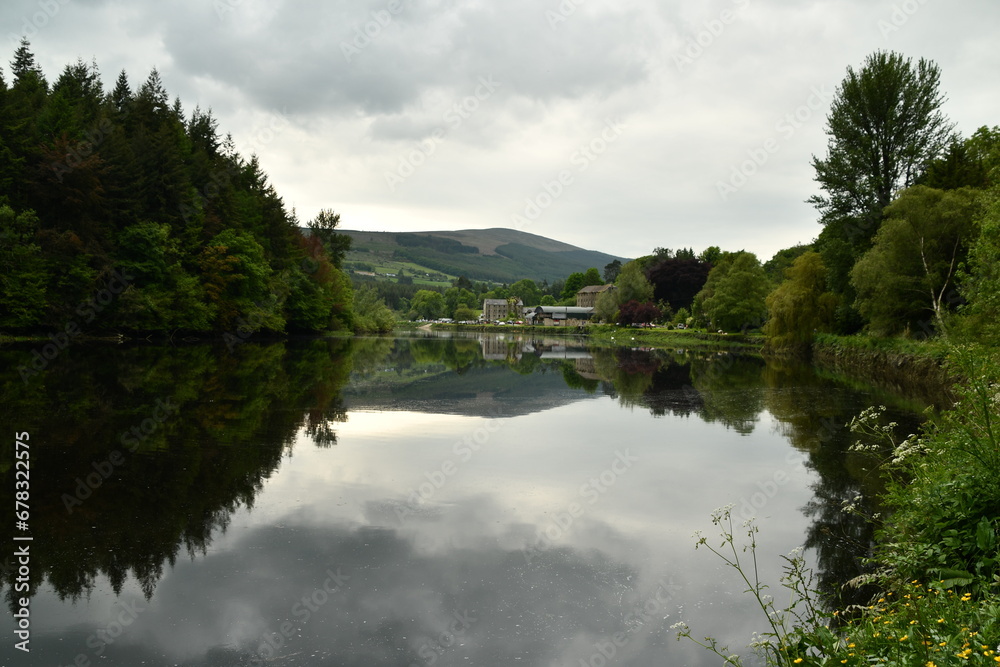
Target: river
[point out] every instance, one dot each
(421, 500)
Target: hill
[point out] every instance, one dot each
(497, 254)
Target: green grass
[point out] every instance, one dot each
(934, 348)
(610, 334)
(672, 338)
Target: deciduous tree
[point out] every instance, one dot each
(801, 305)
(734, 294)
(907, 279)
(676, 280)
(980, 282)
(634, 312)
(885, 125)
(632, 285)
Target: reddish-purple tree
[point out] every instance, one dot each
(676, 280)
(634, 312)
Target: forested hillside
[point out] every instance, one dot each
(120, 211)
(497, 255)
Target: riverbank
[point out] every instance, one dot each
(938, 552)
(906, 367)
(936, 558)
(628, 336)
(675, 338)
(912, 368)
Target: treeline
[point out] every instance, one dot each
(119, 212)
(910, 244)
(438, 243)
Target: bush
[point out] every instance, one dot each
(938, 555)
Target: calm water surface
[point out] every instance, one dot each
(414, 501)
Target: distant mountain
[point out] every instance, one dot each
(498, 254)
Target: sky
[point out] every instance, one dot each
(616, 126)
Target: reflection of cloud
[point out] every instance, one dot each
(396, 600)
(464, 550)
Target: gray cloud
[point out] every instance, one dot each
(699, 86)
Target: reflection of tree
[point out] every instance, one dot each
(813, 413)
(574, 380)
(631, 372)
(731, 389)
(182, 472)
(721, 388)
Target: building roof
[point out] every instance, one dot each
(595, 288)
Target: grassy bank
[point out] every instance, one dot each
(930, 348)
(905, 366)
(673, 338)
(629, 336)
(937, 555)
(938, 552)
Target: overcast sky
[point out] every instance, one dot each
(615, 126)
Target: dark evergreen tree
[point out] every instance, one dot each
(120, 189)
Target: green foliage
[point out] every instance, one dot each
(592, 277)
(577, 281)
(308, 304)
(23, 274)
(733, 298)
(455, 297)
(527, 291)
(574, 283)
(370, 312)
(611, 271)
(984, 148)
(932, 348)
(464, 314)
(946, 492)
(336, 245)
(938, 554)
(839, 258)
(957, 168)
(782, 260)
(908, 276)
(124, 182)
(980, 281)
(427, 305)
(240, 282)
(711, 255)
(801, 306)
(884, 124)
(632, 285)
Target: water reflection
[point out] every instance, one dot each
(431, 500)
